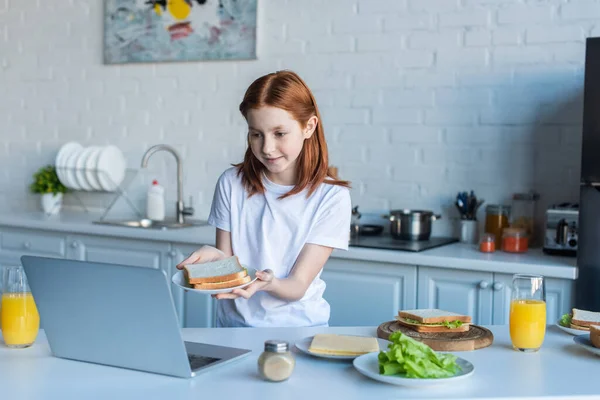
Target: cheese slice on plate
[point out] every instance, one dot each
(343, 345)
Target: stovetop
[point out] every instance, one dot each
(389, 243)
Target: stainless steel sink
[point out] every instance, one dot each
(150, 224)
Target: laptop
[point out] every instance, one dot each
(116, 315)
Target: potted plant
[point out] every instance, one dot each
(46, 183)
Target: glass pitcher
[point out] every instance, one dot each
(19, 318)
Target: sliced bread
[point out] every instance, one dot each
(343, 345)
(434, 316)
(223, 270)
(224, 284)
(585, 318)
(595, 335)
(432, 328)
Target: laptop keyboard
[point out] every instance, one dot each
(197, 361)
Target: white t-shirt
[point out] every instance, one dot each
(268, 233)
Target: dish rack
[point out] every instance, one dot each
(120, 189)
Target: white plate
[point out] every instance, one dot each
(80, 171)
(570, 330)
(63, 153)
(69, 170)
(304, 344)
(111, 168)
(90, 168)
(179, 280)
(368, 365)
(584, 341)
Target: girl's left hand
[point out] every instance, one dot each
(264, 280)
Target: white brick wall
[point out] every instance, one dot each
(420, 98)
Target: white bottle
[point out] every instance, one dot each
(155, 206)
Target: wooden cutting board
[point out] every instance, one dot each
(477, 337)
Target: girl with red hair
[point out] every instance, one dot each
(280, 210)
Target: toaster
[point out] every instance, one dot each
(561, 229)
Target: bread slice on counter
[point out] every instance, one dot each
(224, 284)
(343, 345)
(595, 335)
(224, 270)
(584, 319)
(434, 320)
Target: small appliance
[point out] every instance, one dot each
(561, 237)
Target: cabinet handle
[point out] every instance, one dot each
(172, 254)
(74, 244)
(484, 284)
(498, 286)
(27, 245)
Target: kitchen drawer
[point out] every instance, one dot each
(18, 242)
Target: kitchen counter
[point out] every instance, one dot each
(457, 256)
(559, 369)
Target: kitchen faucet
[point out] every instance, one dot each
(181, 210)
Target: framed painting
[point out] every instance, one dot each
(179, 30)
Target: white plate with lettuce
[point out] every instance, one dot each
(419, 365)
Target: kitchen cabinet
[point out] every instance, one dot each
(364, 293)
(484, 295)
(197, 310)
(460, 291)
(15, 242)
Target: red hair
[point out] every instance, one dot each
(287, 91)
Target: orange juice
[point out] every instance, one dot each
(19, 320)
(527, 323)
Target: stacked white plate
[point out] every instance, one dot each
(90, 168)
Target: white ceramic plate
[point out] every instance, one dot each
(304, 344)
(368, 365)
(90, 168)
(111, 168)
(584, 341)
(63, 153)
(80, 171)
(179, 280)
(69, 170)
(571, 331)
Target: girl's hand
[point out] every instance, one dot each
(203, 255)
(265, 278)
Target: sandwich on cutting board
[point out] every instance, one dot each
(582, 319)
(220, 274)
(434, 320)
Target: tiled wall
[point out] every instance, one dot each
(420, 98)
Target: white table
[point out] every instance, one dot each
(559, 369)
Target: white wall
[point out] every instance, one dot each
(420, 98)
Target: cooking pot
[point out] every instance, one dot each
(411, 224)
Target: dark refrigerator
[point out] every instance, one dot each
(587, 286)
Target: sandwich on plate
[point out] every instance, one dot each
(580, 319)
(434, 320)
(595, 335)
(221, 274)
(342, 345)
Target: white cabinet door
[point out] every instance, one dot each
(198, 310)
(460, 291)
(363, 293)
(559, 298)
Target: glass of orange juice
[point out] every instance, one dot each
(528, 312)
(19, 320)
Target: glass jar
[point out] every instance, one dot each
(523, 213)
(487, 243)
(276, 363)
(496, 219)
(515, 240)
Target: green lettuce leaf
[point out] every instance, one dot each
(565, 320)
(412, 359)
(447, 324)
